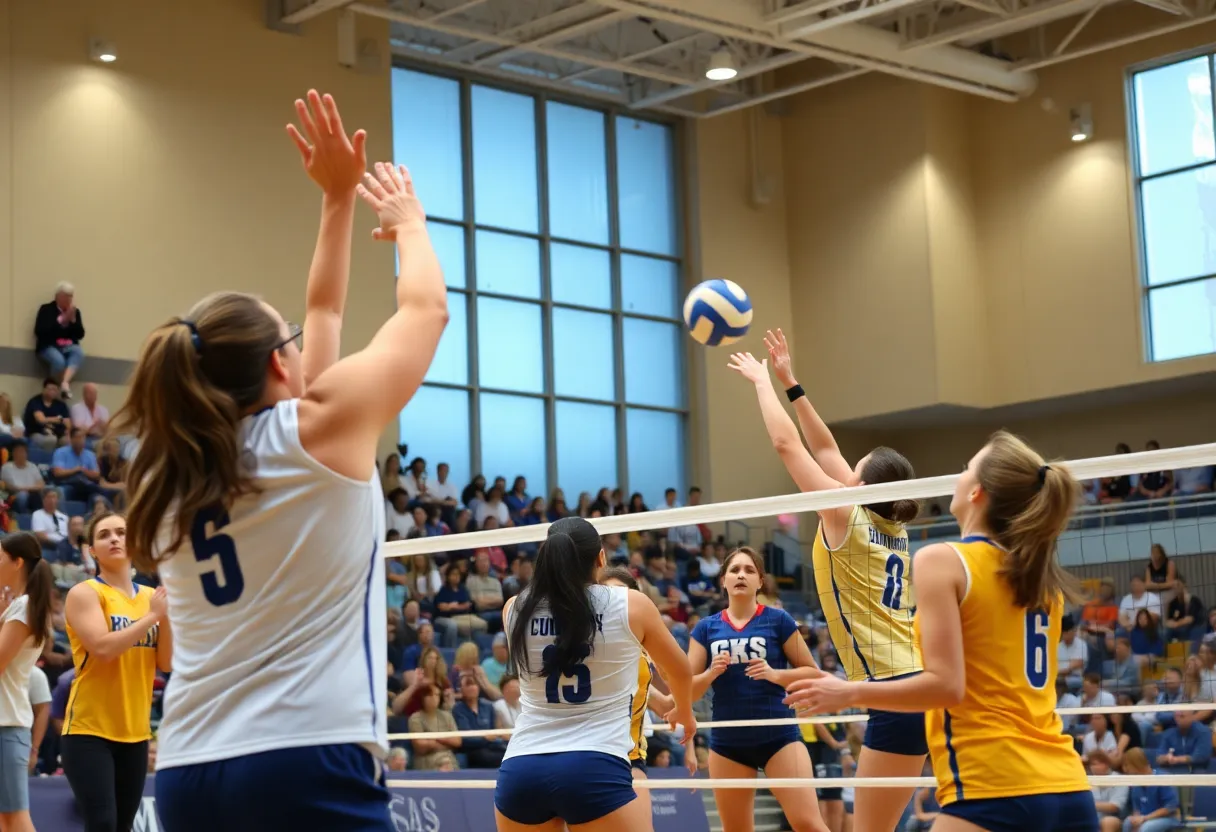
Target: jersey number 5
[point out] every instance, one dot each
(1037, 624)
(225, 583)
(893, 594)
(575, 694)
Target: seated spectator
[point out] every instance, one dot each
(1151, 808)
(685, 541)
(495, 664)
(390, 474)
(492, 506)
(1188, 743)
(433, 525)
(11, 426)
(1138, 599)
(22, 479)
(398, 760)
(90, 414)
(583, 508)
(454, 603)
(472, 713)
(466, 664)
(1099, 618)
(1145, 640)
(1110, 801)
(413, 480)
(637, 505)
(1193, 687)
(1146, 721)
(769, 595)
(70, 564)
(520, 577)
(1155, 484)
(1191, 481)
(396, 654)
(433, 755)
(1126, 731)
(1207, 670)
(533, 514)
(411, 621)
(58, 331)
(1099, 736)
(443, 491)
(924, 811)
(1159, 574)
(432, 671)
(1185, 616)
(47, 420)
(74, 469)
(49, 524)
(702, 592)
(1072, 654)
(113, 473)
(711, 559)
(1169, 693)
(1091, 491)
(497, 555)
(1126, 673)
(517, 500)
(1064, 699)
(485, 591)
(507, 709)
(398, 514)
(557, 506)
(475, 491)
(424, 638)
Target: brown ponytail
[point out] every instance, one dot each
(885, 464)
(1029, 506)
(39, 582)
(193, 381)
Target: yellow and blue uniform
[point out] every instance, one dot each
(637, 714)
(866, 594)
(1001, 757)
(113, 699)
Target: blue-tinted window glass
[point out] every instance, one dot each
(504, 159)
(582, 354)
(580, 275)
(507, 264)
(435, 424)
(652, 363)
(646, 186)
(1183, 320)
(451, 362)
(655, 449)
(509, 352)
(1174, 116)
(433, 154)
(578, 173)
(649, 286)
(448, 241)
(586, 448)
(513, 439)
(1177, 227)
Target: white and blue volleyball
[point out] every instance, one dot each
(717, 312)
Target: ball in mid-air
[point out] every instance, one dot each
(717, 312)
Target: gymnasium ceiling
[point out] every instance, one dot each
(652, 54)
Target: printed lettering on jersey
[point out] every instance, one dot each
(898, 544)
(121, 622)
(545, 627)
(741, 650)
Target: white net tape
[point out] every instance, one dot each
(1170, 459)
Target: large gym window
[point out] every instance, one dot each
(558, 227)
(1174, 157)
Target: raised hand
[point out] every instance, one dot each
(746, 365)
(823, 694)
(720, 663)
(390, 193)
(332, 160)
(779, 354)
(159, 605)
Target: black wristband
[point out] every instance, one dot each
(795, 393)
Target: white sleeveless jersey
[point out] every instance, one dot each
(590, 708)
(278, 611)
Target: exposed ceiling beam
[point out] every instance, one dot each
(1059, 57)
(746, 71)
(803, 28)
(796, 10)
(556, 36)
(314, 9)
(980, 30)
(459, 8)
(784, 92)
(488, 37)
(637, 56)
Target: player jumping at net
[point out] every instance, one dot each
(577, 646)
(861, 568)
(646, 697)
(255, 494)
(988, 625)
(746, 654)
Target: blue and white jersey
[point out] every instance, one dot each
(735, 695)
(278, 611)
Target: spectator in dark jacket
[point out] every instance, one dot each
(472, 713)
(58, 330)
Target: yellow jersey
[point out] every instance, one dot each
(1004, 739)
(637, 711)
(113, 699)
(866, 593)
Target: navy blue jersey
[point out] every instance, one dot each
(735, 695)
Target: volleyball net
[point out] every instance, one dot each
(676, 552)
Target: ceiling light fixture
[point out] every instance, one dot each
(721, 65)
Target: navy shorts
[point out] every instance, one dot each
(753, 756)
(576, 786)
(896, 733)
(1067, 812)
(338, 788)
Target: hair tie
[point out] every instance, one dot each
(1043, 469)
(194, 336)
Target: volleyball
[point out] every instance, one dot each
(717, 312)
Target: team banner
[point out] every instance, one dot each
(414, 810)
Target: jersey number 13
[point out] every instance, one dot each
(575, 694)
